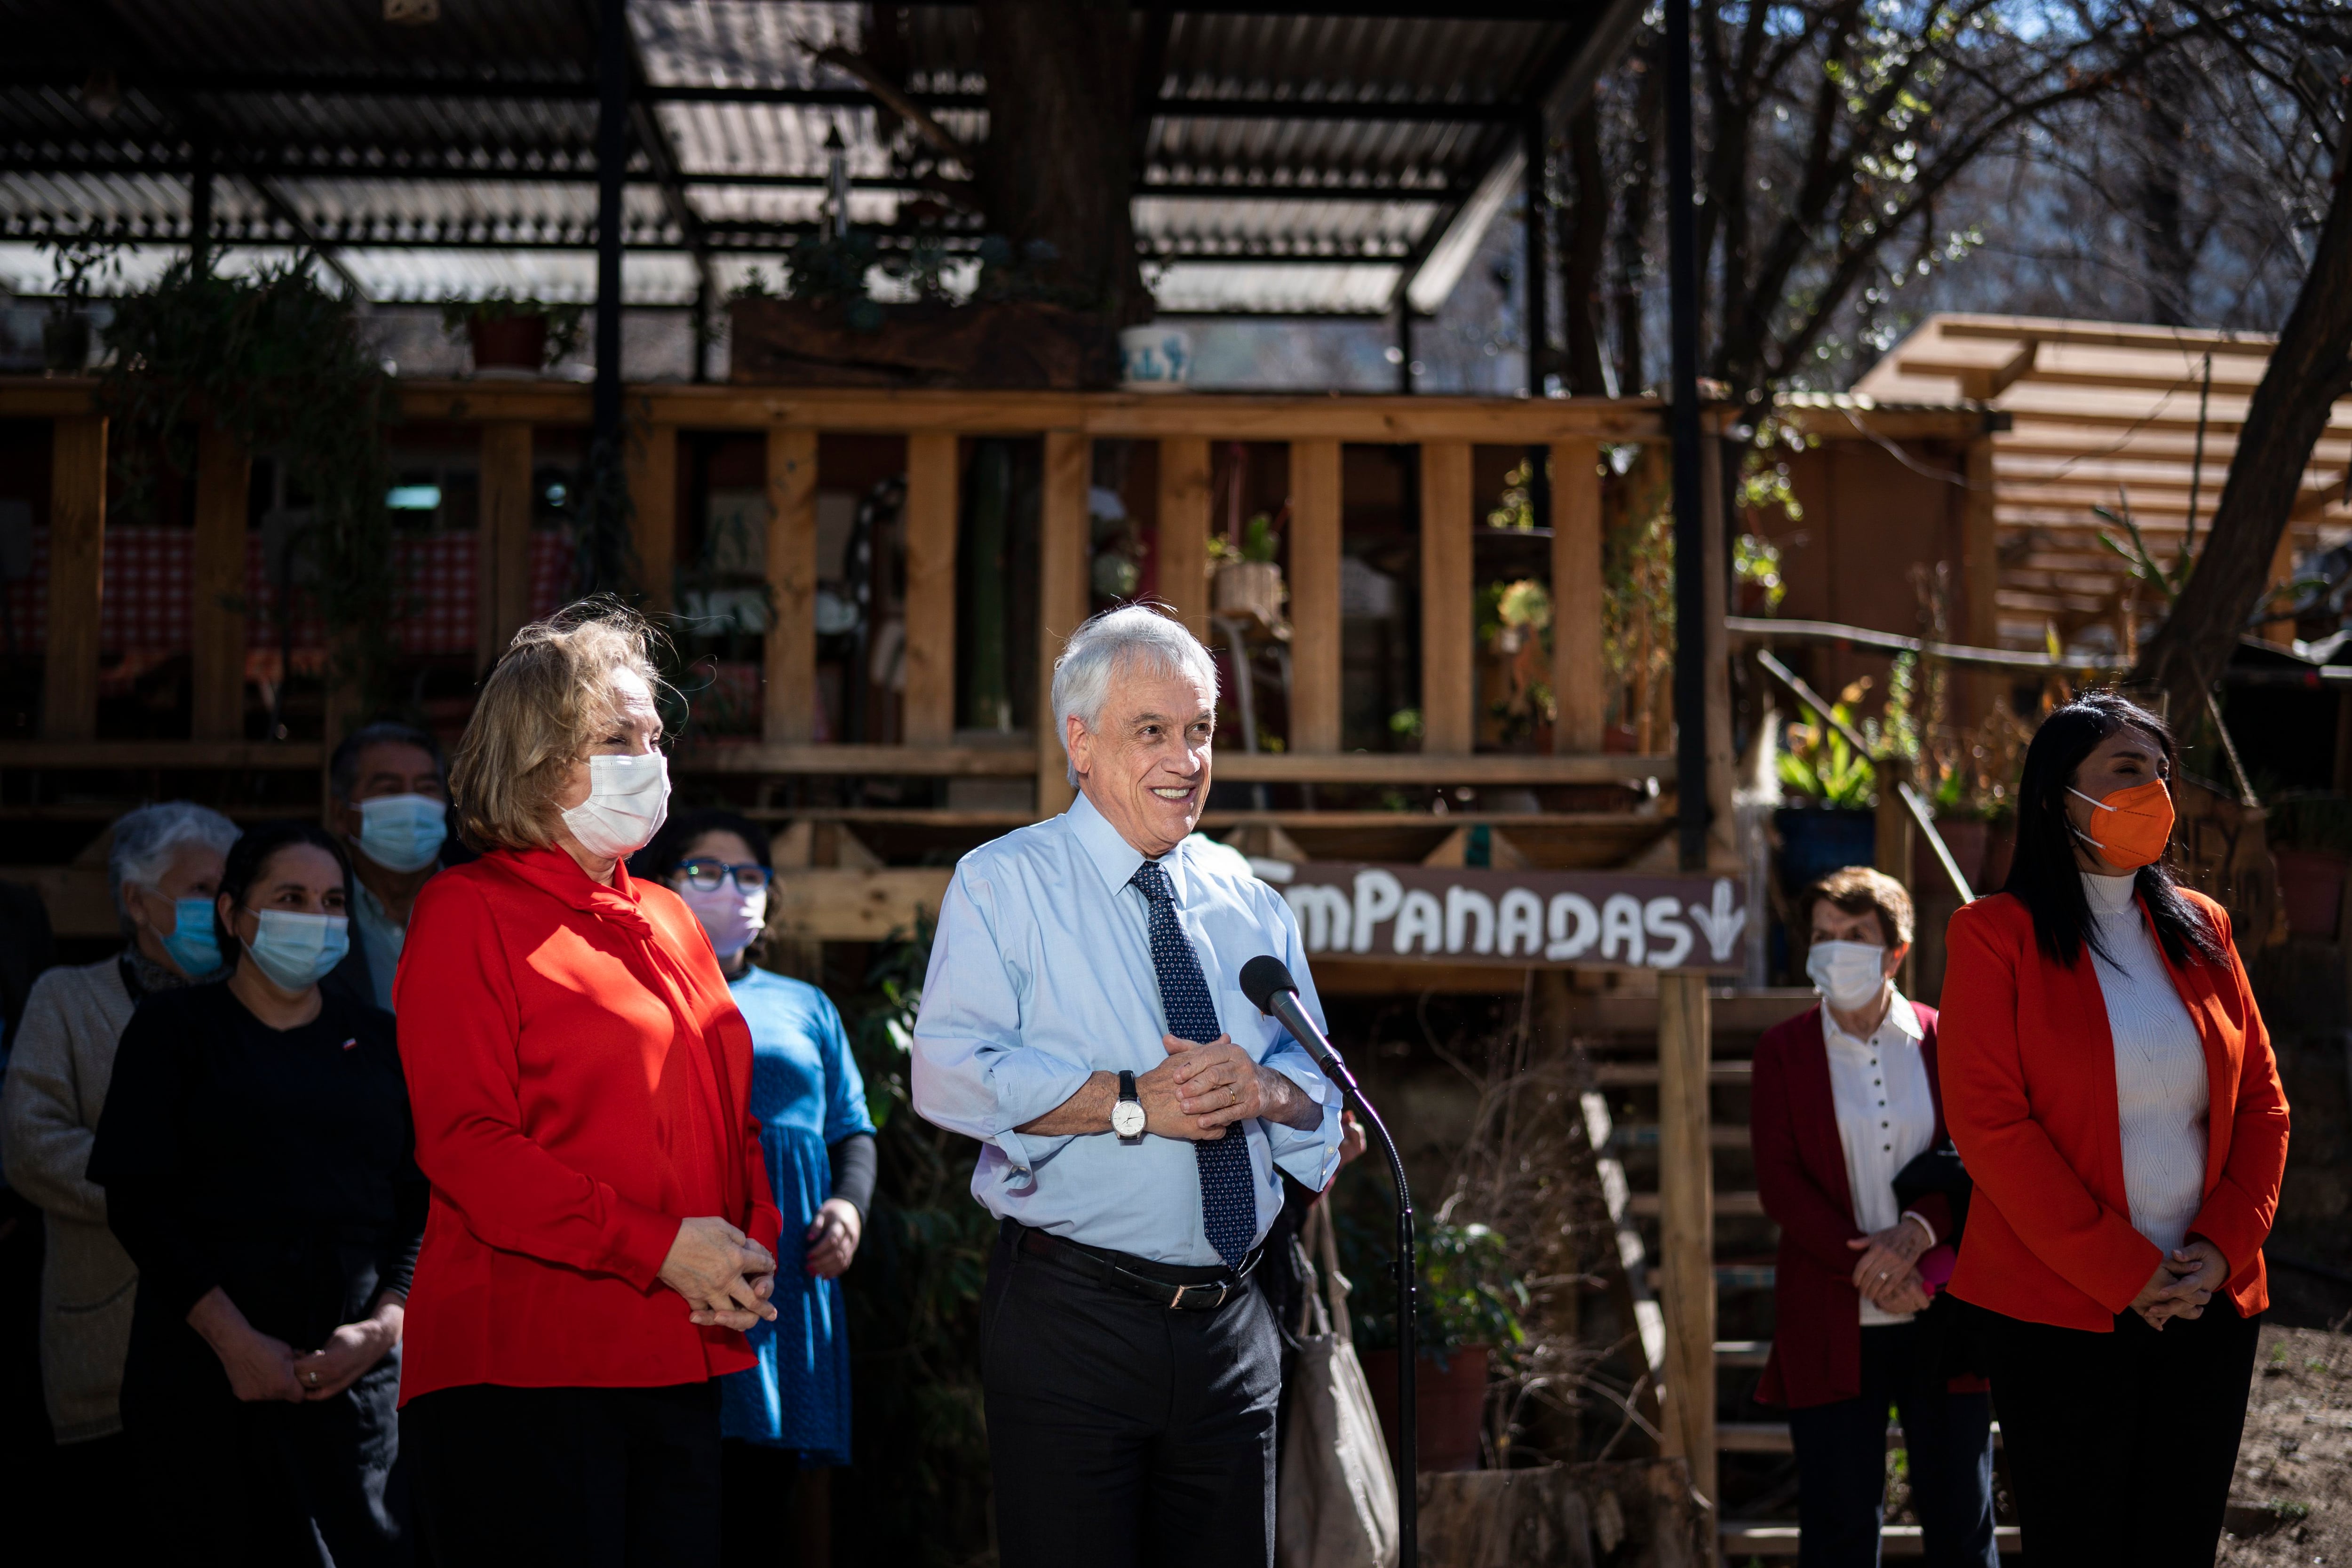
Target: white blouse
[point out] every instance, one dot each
(2161, 1093)
(1885, 1116)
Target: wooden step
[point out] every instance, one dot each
(1749, 1540)
(1742, 1353)
(1740, 1012)
(1615, 1075)
(1644, 1135)
(1727, 1206)
(1733, 1277)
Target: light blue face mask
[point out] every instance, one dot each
(194, 946)
(402, 832)
(298, 949)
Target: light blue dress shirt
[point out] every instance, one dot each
(1042, 973)
(380, 937)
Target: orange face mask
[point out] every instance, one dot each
(2133, 827)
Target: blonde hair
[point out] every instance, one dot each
(539, 712)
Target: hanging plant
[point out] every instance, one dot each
(279, 364)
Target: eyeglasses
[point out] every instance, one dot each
(706, 875)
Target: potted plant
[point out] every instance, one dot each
(1835, 826)
(78, 263)
(512, 337)
(1469, 1313)
(1245, 579)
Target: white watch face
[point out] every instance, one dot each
(1126, 1118)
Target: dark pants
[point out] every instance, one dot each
(1841, 1460)
(589, 1478)
(2121, 1445)
(1122, 1433)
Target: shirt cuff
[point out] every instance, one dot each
(1311, 1156)
(1921, 1221)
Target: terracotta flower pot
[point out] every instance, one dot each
(2311, 886)
(509, 344)
(1448, 1400)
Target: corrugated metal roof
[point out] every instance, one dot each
(1295, 163)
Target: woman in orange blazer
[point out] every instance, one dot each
(2108, 1080)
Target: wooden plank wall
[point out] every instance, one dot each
(1183, 541)
(1577, 672)
(1062, 594)
(789, 713)
(1449, 706)
(929, 716)
(216, 623)
(652, 467)
(1687, 1224)
(502, 591)
(77, 580)
(1315, 647)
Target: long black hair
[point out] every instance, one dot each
(659, 858)
(251, 853)
(2045, 876)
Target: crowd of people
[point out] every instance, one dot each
(448, 1184)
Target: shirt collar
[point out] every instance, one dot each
(552, 870)
(1899, 1018)
(1113, 855)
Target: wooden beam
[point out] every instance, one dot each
(1687, 1224)
(1062, 559)
(801, 760)
(216, 618)
(196, 756)
(789, 716)
(1437, 767)
(1183, 538)
(502, 589)
(77, 577)
(653, 506)
(835, 904)
(1448, 687)
(1577, 674)
(929, 715)
(1316, 532)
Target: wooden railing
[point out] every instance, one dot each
(1313, 427)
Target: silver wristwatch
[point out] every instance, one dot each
(1127, 1115)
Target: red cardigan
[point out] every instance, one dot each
(2030, 1083)
(1816, 1355)
(580, 1082)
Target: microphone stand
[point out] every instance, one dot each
(1285, 1008)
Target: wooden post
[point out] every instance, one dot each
(1578, 672)
(1061, 595)
(929, 716)
(77, 577)
(1315, 536)
(788, 715)
(502, 586)
(216, 623)
(1686, 1224)
(1183, 541)
(1448, 688)
(1980, 579)
(652, 505)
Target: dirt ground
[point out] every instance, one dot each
(2292, 1500)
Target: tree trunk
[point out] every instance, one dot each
(2309, 369)
(1582, 251)
(2163, 147)
(1630, 268)
(1056, 167)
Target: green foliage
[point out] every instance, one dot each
(1260, 545)
(562, 321)
(1516, 507)
(79, 263)
(1465, 1294)
(1821, 763)
(2139, 561)
(1756, 559)
(280, 363)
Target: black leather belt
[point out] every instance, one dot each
(1136, 1276)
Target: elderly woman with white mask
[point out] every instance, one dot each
(602, 1225)
(786, 1421)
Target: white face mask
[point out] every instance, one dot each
(628, 799)
(1850, 973)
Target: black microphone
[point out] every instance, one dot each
(1271, 990)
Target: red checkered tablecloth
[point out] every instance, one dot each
(147, 593)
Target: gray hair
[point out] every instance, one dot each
(344, 767)
(145, 841)
(1133, 637)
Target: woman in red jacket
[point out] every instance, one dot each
(601, 1230)
(2110, 1084)
(1844, 1097)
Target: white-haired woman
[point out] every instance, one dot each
(601, 1228)
(164, 866)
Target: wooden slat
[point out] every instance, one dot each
(1183, 540)
(217, 620)
(502, 589)
(653, 520)
(826, 904)
(1426, 767)
(1687, 1224)
(77, 577)
(292, 756)
(789, 718)
(1062, 550)
(1577, 670)
(929, 716)
(803, 760)
(1314, 540)
(1448, 693)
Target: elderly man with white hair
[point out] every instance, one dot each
(1082, 1019)
(164, 865)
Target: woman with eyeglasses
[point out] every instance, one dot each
(258, 1159)
(790, 1414)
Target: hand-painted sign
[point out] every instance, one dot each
(1609, 919)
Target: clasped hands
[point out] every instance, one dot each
(724, 1275)
(1201, 1090)
(1887, 1272)
(2184, 1281)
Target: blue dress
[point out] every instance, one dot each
(807, 1095)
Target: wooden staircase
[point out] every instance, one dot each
(1751, 1464)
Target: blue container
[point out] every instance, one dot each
(1816, 840)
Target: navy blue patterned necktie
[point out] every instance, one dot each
(1228, 1192)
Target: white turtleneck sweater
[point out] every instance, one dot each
(2161, 1094)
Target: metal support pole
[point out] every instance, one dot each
(612, 170)
(1404, 344)
(200, 209)
(1690, 516)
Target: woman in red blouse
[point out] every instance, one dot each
(601, 1230)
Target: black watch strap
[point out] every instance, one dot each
(1127, 1085)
